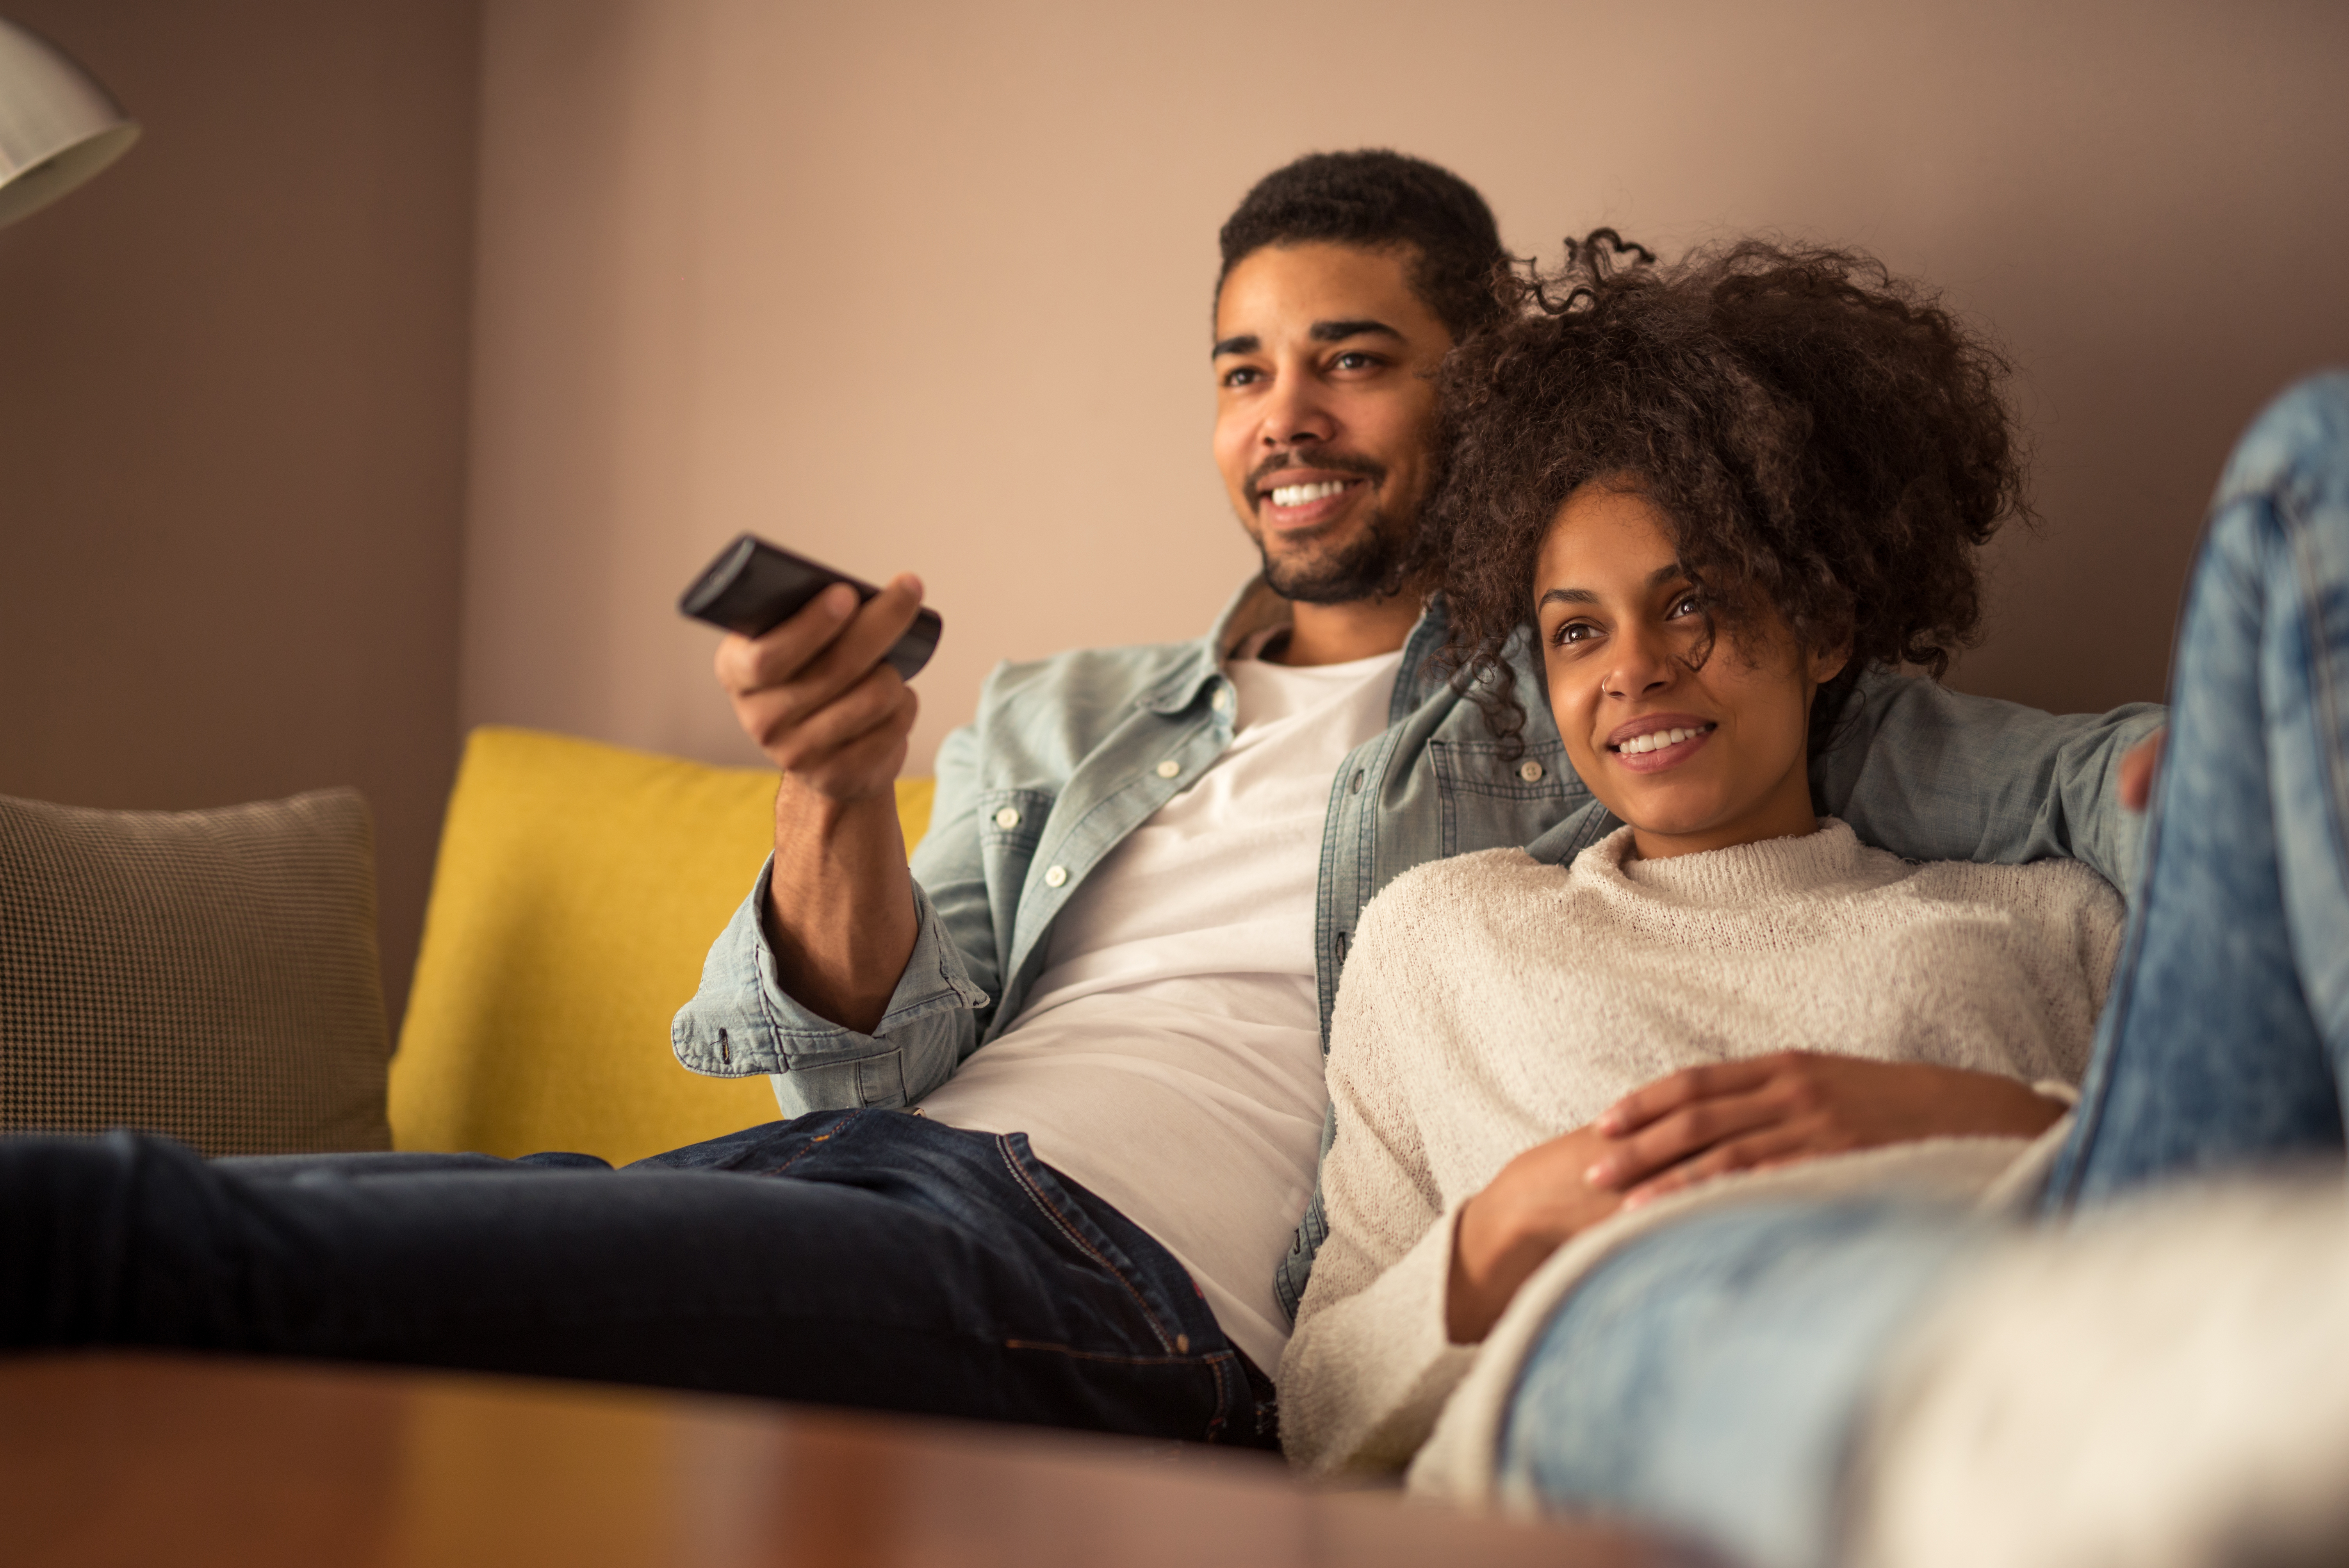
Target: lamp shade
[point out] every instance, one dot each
(57, 126)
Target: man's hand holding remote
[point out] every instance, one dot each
(816, 695)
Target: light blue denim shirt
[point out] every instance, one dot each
(1062, 762)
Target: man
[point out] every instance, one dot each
(1135, 896)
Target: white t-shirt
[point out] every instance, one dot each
(1170, 1055)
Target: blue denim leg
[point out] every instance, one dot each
(866, 1258)
(1706, 1378)
(2226, 1034)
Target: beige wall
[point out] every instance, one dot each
(232, 422)
(926, 285)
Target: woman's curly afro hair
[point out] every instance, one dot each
(1826, 440)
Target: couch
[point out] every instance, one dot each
(212, 975)
(578, 887)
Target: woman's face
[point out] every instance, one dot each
(1621, 626)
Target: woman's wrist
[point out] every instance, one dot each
(1469, 1309)
(2010, 1108)
(1494, 1252)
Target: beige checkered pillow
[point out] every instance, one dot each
(208, 974)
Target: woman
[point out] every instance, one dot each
(1731, 485)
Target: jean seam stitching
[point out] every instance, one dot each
(2296, 532)
(809, 1147)
(1061, 1223)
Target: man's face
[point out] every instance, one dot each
(1325, 413)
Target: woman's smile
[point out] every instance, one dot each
(1653, 742)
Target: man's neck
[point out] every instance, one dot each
(1340, 633)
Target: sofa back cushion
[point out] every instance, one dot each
(208, 974)
(578, 889)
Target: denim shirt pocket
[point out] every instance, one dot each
(1494, 801)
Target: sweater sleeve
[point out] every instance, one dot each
(1370, 1364)
(2098, 926)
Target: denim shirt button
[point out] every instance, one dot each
(1168, 769)
(1008, 818)
(1529, 770)
(1056, 876)
(1222, 700)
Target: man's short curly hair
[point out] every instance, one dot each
(1826, 439)
(1376, 198)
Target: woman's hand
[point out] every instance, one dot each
(1794, 1106)
(1679, 1130)
(1507, 1231)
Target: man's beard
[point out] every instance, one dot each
(1369, 566)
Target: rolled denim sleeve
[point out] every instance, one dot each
(742, 1021)
(1935, 775)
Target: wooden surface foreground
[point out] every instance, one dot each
(150, 1459)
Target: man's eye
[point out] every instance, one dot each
(1354, 360)
(1242, 375)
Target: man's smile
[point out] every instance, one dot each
(1299, 498)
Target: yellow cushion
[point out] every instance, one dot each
(578, 888)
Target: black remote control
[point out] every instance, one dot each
(754, 586)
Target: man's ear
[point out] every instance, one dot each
(1825, 664)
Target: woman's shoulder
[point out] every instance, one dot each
(1443, 883)
(2061, 881)
(2065, 902)
(1447, 906)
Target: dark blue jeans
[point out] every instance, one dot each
(1708, 1377)
(870, 1258)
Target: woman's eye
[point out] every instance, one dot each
(1354, 361)
(1686, 604)
(1573, 632)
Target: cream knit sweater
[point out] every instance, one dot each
(1492, 1002)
